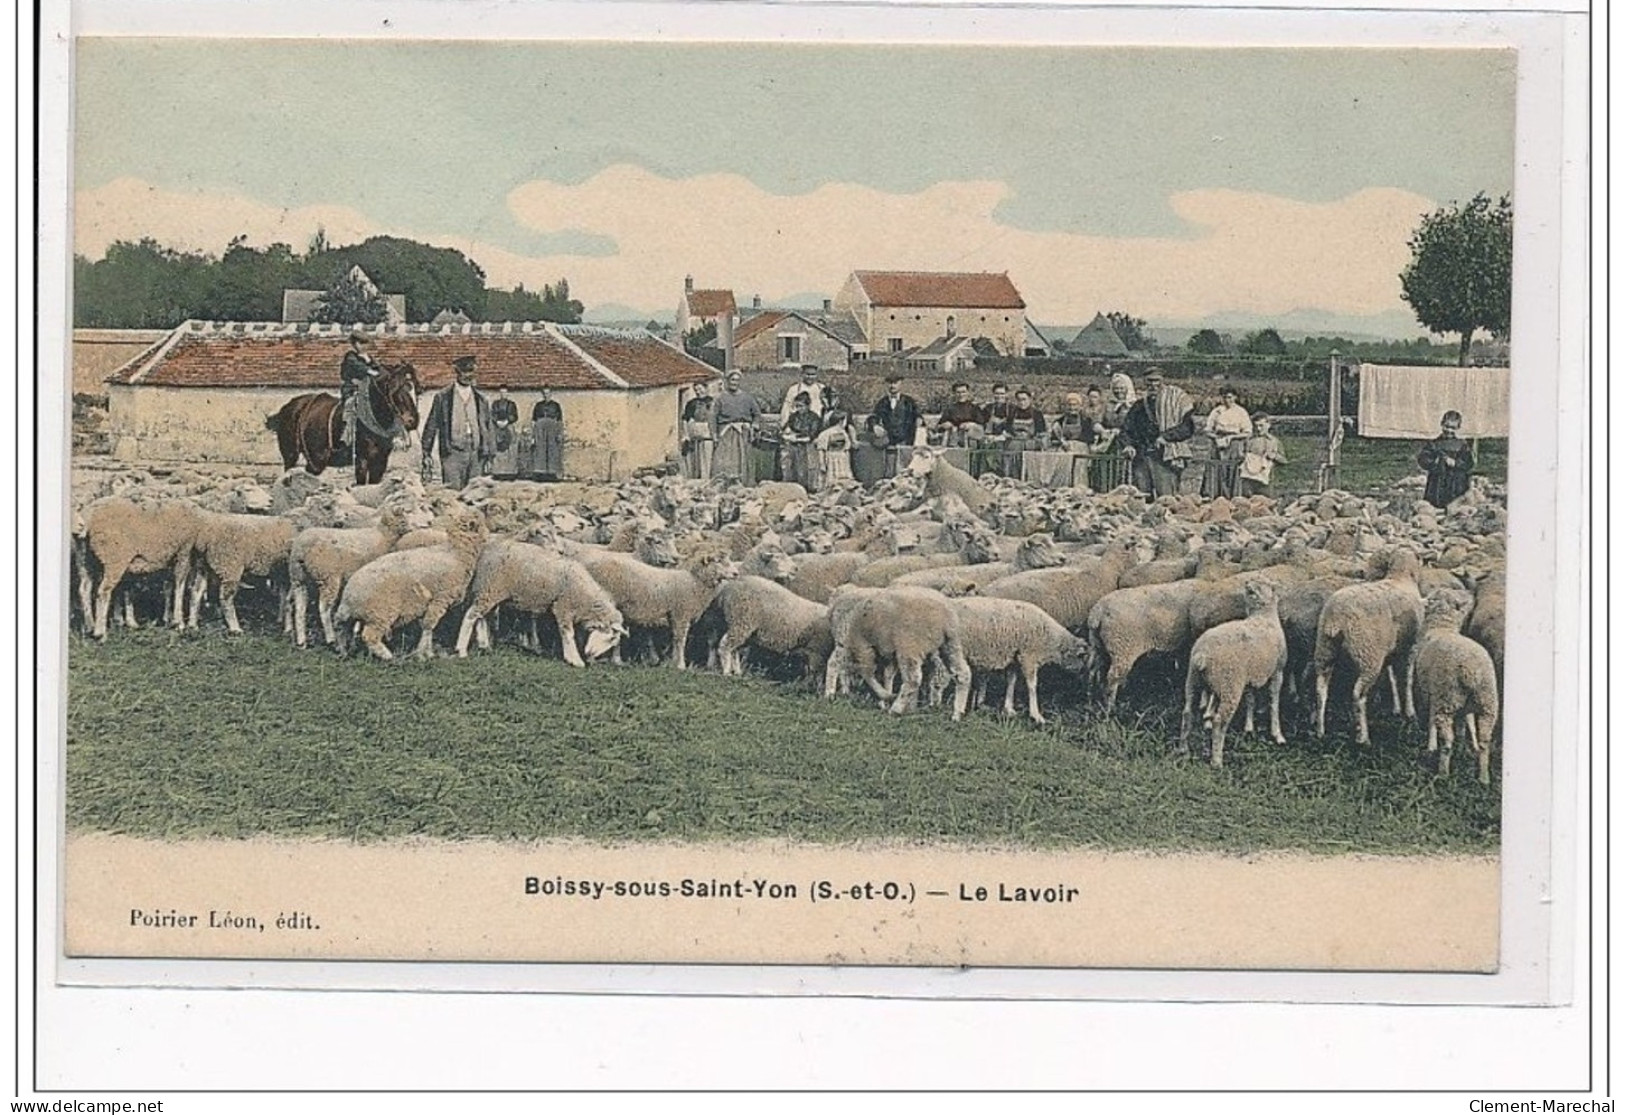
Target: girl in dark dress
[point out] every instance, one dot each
(1449, 462)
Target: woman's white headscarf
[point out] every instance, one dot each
(1120, 380)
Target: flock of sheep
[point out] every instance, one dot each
(920, 583)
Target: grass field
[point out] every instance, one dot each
(211, 736)
(1370, 464)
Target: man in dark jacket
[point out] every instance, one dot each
(460, 425)
(897, 417)
(1156, 452)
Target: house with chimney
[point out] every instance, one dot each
(301, 305)
(902, 310)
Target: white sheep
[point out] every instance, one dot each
(1455, 676)
(650, 596)
(1011, 635)
(756, 612)
(123, 536)
(1070, 592)
(534, 579)
(944, 478)
(904, 625)
(328, 556)
(420, 584)
(1371, 625)
(1236, 658)
(228, 547)
(1126, 625)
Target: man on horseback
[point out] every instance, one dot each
(357, 369)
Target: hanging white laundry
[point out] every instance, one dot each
(1407, 402)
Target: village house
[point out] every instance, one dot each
(900, 310)
(301, 305)
(770, 339)
(205, 391)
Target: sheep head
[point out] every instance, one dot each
(1446, 609)
(657, 547)
(1039, 551)
(1260, 595)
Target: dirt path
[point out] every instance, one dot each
(772, 902)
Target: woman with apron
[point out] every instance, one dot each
(547, 431)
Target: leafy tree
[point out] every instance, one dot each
(141, 285)
(433, 279)
(1206, 343)
(351, 301)
(697, 339)
(1265, 342)
(246, 284)
(1131, 331)
(557, 305)
(1459, 279)
(517, 304)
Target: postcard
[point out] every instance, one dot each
(1039, 508)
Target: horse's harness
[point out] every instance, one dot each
(367, 417)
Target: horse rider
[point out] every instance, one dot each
(358, 367)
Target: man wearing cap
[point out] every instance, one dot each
(357, 368)
(460, 424)
(1158, 449)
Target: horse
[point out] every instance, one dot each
(312, 425)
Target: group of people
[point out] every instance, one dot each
(469, 433)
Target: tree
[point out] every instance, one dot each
(1130, 330)
(697, 339)
(140, 285)
(247, 283)
(1265, 342)
(1206, 343)
(557, 305)
(1459, 279)
(432, 279)
(351, 301)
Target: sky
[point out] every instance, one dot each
(1178, 185)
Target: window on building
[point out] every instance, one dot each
(790, 350)
(894, 344)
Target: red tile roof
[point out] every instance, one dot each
(763, 321)
(520, 356)
(949, 289)
(710, 303)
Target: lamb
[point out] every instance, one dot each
(534, 579)
(758, 612)
(817, 576)
(124, 536)
(1070, 592)
(672, 599)
(944, 478)
(1370, 624)
(229, 546)
(1236, 658)
(1011, 634)
(907, 625)
(1455, 676)
(419, 584)
(328, 556)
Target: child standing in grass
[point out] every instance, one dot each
(1259, 457)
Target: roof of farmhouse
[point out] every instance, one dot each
(948, 289)
(519, 355)
(710, 303)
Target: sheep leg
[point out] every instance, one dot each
(197, 589)
(1252, 700)
(301, 606)
(1323, 686)
(482, 632)
(1225, 713)
(1410, 685)
(1275, 706)
(183, 574)
(1393, 687)
(834, 668)
(567, 639)
(912, 670)
(1029, 670)
(1480, 749)
(325, 602)
(1193, 684)
(431, 620)
(87, 609)
(679, 644)
(465, 632)
(126, 599)
(960, 667)
(725, 652)
(111, 575)
(939, 679)
(1447, 729)
(228, 603)
(1362, 690)
(1433, 735)
(1010, 690)
(1116, 675)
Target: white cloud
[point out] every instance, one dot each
(128, 209)
(1247, 253)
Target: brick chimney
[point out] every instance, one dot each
(725, 339)
(756, 301)
(826, 305)
(688, 284)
